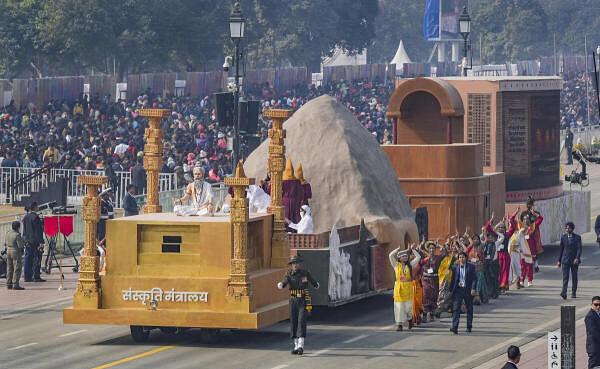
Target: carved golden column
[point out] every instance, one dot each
(153, 156)
(88, 294)
(280, 249)
(239, 285)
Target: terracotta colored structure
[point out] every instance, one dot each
(449, 181)
(517, 120)
(436, 168)
(514, 120)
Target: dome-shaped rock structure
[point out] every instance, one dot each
(350, 175)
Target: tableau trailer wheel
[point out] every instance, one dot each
(138, 333)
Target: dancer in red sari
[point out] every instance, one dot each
(430, 281)
(503, 253)
(527, 268)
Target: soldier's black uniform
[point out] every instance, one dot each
(299, 303)
(107, 211)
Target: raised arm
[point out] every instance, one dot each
(416, 259)
(488, 226)
(513, 226)
(393, 258)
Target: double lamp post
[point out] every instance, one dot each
(236, 30)
(464, 25)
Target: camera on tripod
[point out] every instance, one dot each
(576, 178)
(64, 210)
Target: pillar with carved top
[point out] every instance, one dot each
(153, 156)
(239, 284)
(280, 249)
(88, 294)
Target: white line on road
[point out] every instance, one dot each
(72, 333)
(28, 310)
(22, 346)
(320, 352)
(463, 363)
(356, 338)
(280, 366)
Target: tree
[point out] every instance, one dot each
(399, 20)
(18, 53)
(511, 29)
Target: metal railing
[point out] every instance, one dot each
(75, 191)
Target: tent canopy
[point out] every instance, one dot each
(340, 57)
(401, 56)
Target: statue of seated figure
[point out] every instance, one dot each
(202, 197)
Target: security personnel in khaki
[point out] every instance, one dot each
(298, 280)
(15, 247)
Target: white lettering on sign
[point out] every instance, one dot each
(157, 294)
(554, 359)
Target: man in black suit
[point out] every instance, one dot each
(462, 288)
(129, 203)
(138, 176)
(597, 229)
(569, 258)
(592, 328)
(33, 230)
(514, 356)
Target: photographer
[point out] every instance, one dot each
(33, 231)
(569, 145)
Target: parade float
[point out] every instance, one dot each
(220, 272)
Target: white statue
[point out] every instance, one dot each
(340, 269)
(258, 199)
(334, 269)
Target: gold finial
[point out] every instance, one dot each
(239, 171)
(300, 174)
(289, 170)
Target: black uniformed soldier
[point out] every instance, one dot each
(298, 281)
(107, 211)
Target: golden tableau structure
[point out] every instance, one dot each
(199, 271)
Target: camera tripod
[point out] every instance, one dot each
(51, 260)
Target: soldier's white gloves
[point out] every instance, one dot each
(318, 285)
(280, 285)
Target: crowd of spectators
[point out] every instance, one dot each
(574, 105)
(98, 134)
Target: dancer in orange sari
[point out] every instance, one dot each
(417, 273)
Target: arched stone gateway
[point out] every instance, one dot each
(426, 111)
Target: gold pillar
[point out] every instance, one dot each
(88, 294)
(280, 249)
(239, 284)
(153, 156)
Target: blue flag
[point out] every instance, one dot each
(431, 20)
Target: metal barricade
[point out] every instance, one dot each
(75, 191)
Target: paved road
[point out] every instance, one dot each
(359, 335)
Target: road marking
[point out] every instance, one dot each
(30, 309)
(320, 352)
(496, 362)
(22, 346)
(72, 333)
(134, 357)
(356, 338)
(464, 363)
(280, 366)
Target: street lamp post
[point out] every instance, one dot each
(464, 24)
(236, 28)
